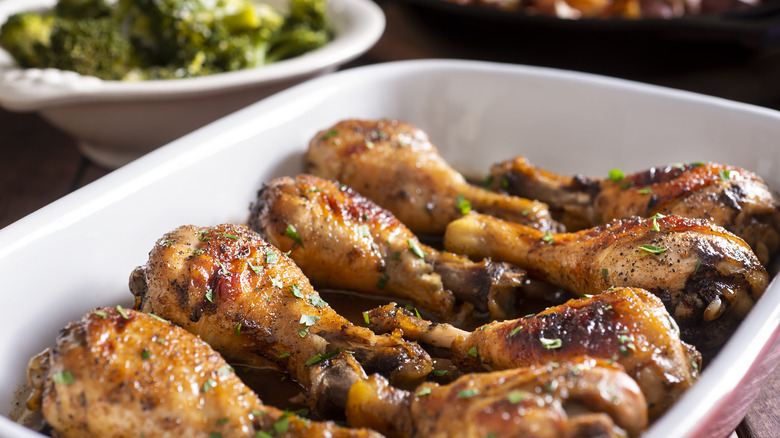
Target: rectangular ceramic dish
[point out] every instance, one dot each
(78, 252)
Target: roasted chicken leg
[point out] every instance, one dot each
(341, 240)
(252, 304)
(706, 277)
(394, 164)
(120, 373)
(582, 397)
(733, 198)
(626, 325)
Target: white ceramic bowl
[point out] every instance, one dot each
(115, 122)
(78, 252)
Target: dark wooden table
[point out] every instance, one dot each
(41, 164)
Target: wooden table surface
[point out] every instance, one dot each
(41, 164)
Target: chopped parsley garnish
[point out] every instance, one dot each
(275, 282)
(468, 393)
(439, 373)
(548, 238)
(616, 175)
(145, 354)
(317, 358)
(415, 248)
(724, 174)
(100, 314)
(551, 344)
(644, 191)
(698, 265)
(463, 204)
(423, 391)
(293, 234)
(517, 396)
(122, 312)
(316, 301)
(283, 355)
(309, 320)
(64, 377)
(652, 249)
(515, 331)
(654, 220)
(157, 317)
(295, 290)
(473, 351)
(210, 295)
(230, 236)
(366, 318)
(255, 269)
(238, 329)
(270, 257)
(329, 134)
(210, 383)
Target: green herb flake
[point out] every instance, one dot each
(473, 351)
(548, 238)
(369, 144)
(157, 317)
(282, 425)
(363, 231)
(329, 134)
(423, 391)
(293, 234)
(724, 175)
(382, 282)
(230, 236)
(198, 252)
(698, 265)
(295, 290)
(463, 204)
(225, 370)
(271, 257)
(317, 358)
(517, 396)
(100, 314)
(652, 249)
(283, 355)
(515, 331)
(551, 344)
(215, 435)
(415, 248)
(316, 301)
(122, 312)
(275, 282)
(468, 393)
(210, 383)
(303, 332)
(64, 377)
(439, 373)
(644, 191)
(202, 236)
(616, 175)
(604, 273)
(366, 318)
(145, 354)
(626, 185)
(255, 269)
(222, 421)
(396, 255)
(210, 295)
(309, 320)
(238, 329)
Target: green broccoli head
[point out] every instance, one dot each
(313, 13)
(92, 46)
(26, 37)
(84, 8)
(296, 40)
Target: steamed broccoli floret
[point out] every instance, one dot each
(84, 8)
(295, 41)
(91, 46)
(26, 37)
(309, 12)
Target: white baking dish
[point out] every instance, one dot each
(78, 252)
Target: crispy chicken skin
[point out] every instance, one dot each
(395, 164)
(120, 373)
(582, 397)
(345, 241)
(707, 277)
(627, 325)
(253, 304)
(734, 198)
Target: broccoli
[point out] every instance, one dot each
(91, 46)
(141, 39)
(295, 41)
(84, 8)
(26, 37)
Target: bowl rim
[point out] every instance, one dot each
(358, 25)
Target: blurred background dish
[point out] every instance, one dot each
(115, 122)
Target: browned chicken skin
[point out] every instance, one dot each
(253, 304)
(120, 373)
(731, 197)
(394, 164)
(706, 277)
(344, 241)
(582, 397)
(626, 325)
